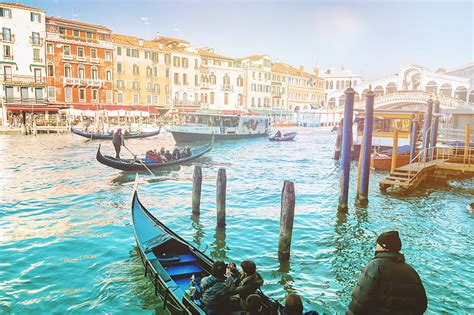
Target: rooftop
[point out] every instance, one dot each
(20, 6)
(339, 72)
(210, 54)
(127, 40)
(76, 23)
(285, 68)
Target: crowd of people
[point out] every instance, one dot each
(387, 285)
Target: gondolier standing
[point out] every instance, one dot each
(118, 141)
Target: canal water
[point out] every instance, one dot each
(67, 245)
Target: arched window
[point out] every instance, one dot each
(337, 85)
(226, 98)
(331, 85)
(108, 75)
(155, 72)
(148, 71)
(67, 71)
(94, 73)
(176, 96)
(185, 96)
(82, 72)
(50, 70)
(136, 70)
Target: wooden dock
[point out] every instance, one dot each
(448, 162)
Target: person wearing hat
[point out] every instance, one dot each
(118, 141)
(387, 284)
(215, 291)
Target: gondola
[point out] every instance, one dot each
(289, 136)
(101, 136)
(171, 262)
(133, 165)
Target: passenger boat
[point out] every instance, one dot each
(289, 136)
(133, 165)
(202, 126)
(171, 263)
(102, 136)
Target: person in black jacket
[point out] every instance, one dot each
(118, 141)
(387, 284)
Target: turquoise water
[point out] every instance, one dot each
(66, 243)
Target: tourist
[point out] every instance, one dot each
(387, 284)
(118, 141)
(248, 282)
(176, 154)
(162, 151)
(278, 134)
(215, 292)
(294, 306)
(168, 155)
(188, 152)
(253, 306)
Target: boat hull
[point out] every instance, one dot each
(384, 163)
(130, 165)
(193, 137)
(290, 136)
(97, 136)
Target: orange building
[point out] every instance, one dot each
(79, 64)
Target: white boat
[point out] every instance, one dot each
(203, 126)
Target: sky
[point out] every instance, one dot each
(372, 38)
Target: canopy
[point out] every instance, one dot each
(32, 108)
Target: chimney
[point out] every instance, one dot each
(140, 42)
(302, 68)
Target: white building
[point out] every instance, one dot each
(257, 81)
(279, 89)
(339, 79)
(222, 81)
(22, 61)
(464, 71)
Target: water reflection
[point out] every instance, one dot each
(198, 229)
(286, 279)
(219, 246)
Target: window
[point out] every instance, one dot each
(212, 98)
(184, 62)
(95, 96)
(167, 59)
(82, 95)
(95, 73)
(196, 80)
(108, 75)
(6, 13)
(50, 70)
(136, 86)
(119, 67)
(156, 99)
(149, 86)
(24, 93)
(6, 34)
(68, 94)
(80, 51)
(148, 71)
(36, 55)
(155, 56)
(147, 55)
(82, 72)
(9, 92)
(148, 99)
(136, 70)
(66, 50)
(135, 53)
(76, 33)
(120, 84)
(156, 88)
(185, 79)
(185, 96)
(108, 56)
(89, 35)
(176, 78)
(49, 48)
(94, 53)
(119, 51)
(120, 98)
(240, 81)
(155, 72)
(7, 51)
(253, 101)
(241, 99)
(7, 73)
(136, 99)
(52, 93)
(62, 31)
(226, 98)
(35, 17)
(176, 61)
(129, 52)
(167, 72)
(38, 75)
(67, 71)
(196, 63)
(108, 96)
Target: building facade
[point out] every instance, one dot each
(22, 69)
(258, 81)
(279, 88)
(142, 72)
(464, 71)
(222, 81)
(79, 64)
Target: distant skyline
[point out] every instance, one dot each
(373, 39)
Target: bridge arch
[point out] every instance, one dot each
(342, 100)
(378, 90)
(446, 89)
(432, 87)
(461, 93)
(391, 88)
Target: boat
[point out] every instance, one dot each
(134, 165)
(173, 264)
(284, 123)
(103, 136)
(383, 161)
(289, 136)
(203, 126)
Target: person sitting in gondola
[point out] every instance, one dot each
(168, 155)
(176, 154)
(215, 291)
(278, 134)
(188, 152)
(162, 151)
(248, 283)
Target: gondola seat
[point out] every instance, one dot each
(183, 270)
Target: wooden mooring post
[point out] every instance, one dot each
(394, 150)
(287, 215)
(426, 131)
(220, 196)
(434, 131)
(467, 140)
(197, 183)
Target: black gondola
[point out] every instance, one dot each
(101, 136)
(170, 262)
(132, 165)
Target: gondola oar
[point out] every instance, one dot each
(139, 161)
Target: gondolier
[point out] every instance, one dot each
(118, 142)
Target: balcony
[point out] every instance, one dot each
(68, 57)
(39, 60)
(17, 80)
(80, 40)
(24, 101)
(38, 42)
(81, 58)
(10, 40)
(227, 88)
(83, 82)
(95, 60)
(8, 57)
(277, 94)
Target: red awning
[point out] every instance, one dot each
(33, 108)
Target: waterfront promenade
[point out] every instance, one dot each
(69, 244)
